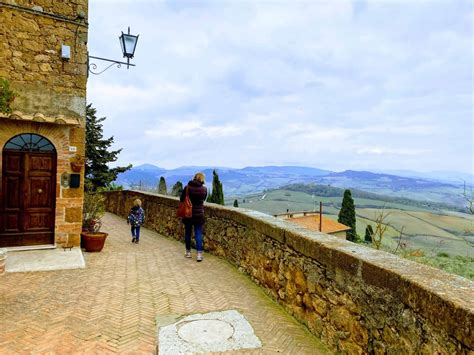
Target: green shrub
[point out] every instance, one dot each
(6, 96)
(93, 211)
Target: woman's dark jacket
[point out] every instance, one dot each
(197, 195)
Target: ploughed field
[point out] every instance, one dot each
(440, 238)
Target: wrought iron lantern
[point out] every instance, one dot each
(128, 42)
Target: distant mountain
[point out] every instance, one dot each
(149, 167)
(396, 186)
(375, 181)
(330, 191)
(147, 174)
(235, 181)
(446, 176)
(238, 182)
(286, 170)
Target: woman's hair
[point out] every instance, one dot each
(200, 177)
(137, 202)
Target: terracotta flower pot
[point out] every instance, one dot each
(93, 241)
(76, 167)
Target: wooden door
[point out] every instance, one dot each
(28, 198)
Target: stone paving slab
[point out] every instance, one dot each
(209, 332)
(45, 260)
(111, 305)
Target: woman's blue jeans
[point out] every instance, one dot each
(188, 228)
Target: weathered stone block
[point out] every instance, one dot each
(320, 306)
(73, 214)
(377, 276)
(72, 193)
(42, 58)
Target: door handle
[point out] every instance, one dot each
(40, 191)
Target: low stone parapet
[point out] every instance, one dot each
(354, 298)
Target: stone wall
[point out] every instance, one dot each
(51, 93)
(356, 299)
(31, 36)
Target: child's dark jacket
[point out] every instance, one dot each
(136, 216)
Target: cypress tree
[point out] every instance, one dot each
(177, 189)
(162, 186)
(369, 232)
(236, 203)
(347, 216)
(217, 194)
(98, 153)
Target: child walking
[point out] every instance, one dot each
(136, 217)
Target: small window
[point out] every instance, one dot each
(29, 142)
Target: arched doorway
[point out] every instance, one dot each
(28, 198)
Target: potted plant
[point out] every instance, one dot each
(94, 208)
(77, 162)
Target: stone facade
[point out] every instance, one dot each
(51, 92)
(31, 36)
(356, 299)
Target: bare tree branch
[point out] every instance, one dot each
(469, 198)
(399, 239)
(381, 227)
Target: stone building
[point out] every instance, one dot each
(43, 56)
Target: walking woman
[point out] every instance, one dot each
(197, 194)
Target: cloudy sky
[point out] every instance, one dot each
(363, 85)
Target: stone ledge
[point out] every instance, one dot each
(39, 117)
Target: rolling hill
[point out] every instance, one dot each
(240, 182)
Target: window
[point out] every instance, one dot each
(29, 142)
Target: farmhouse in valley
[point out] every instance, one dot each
(315, 221)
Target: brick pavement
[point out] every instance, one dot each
(110, 307)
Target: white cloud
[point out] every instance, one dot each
(391, 151)
(329, 84)
(194, 128)
(129, 96)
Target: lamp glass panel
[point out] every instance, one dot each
(130, 42)
(121, 44)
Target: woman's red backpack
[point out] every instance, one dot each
(185, 208)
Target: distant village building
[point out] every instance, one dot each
(312, 219)
(43, 56)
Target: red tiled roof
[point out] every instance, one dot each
(312, 222)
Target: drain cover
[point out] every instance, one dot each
(206, 330)
(215, 331)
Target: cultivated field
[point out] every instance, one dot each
(439, 238)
